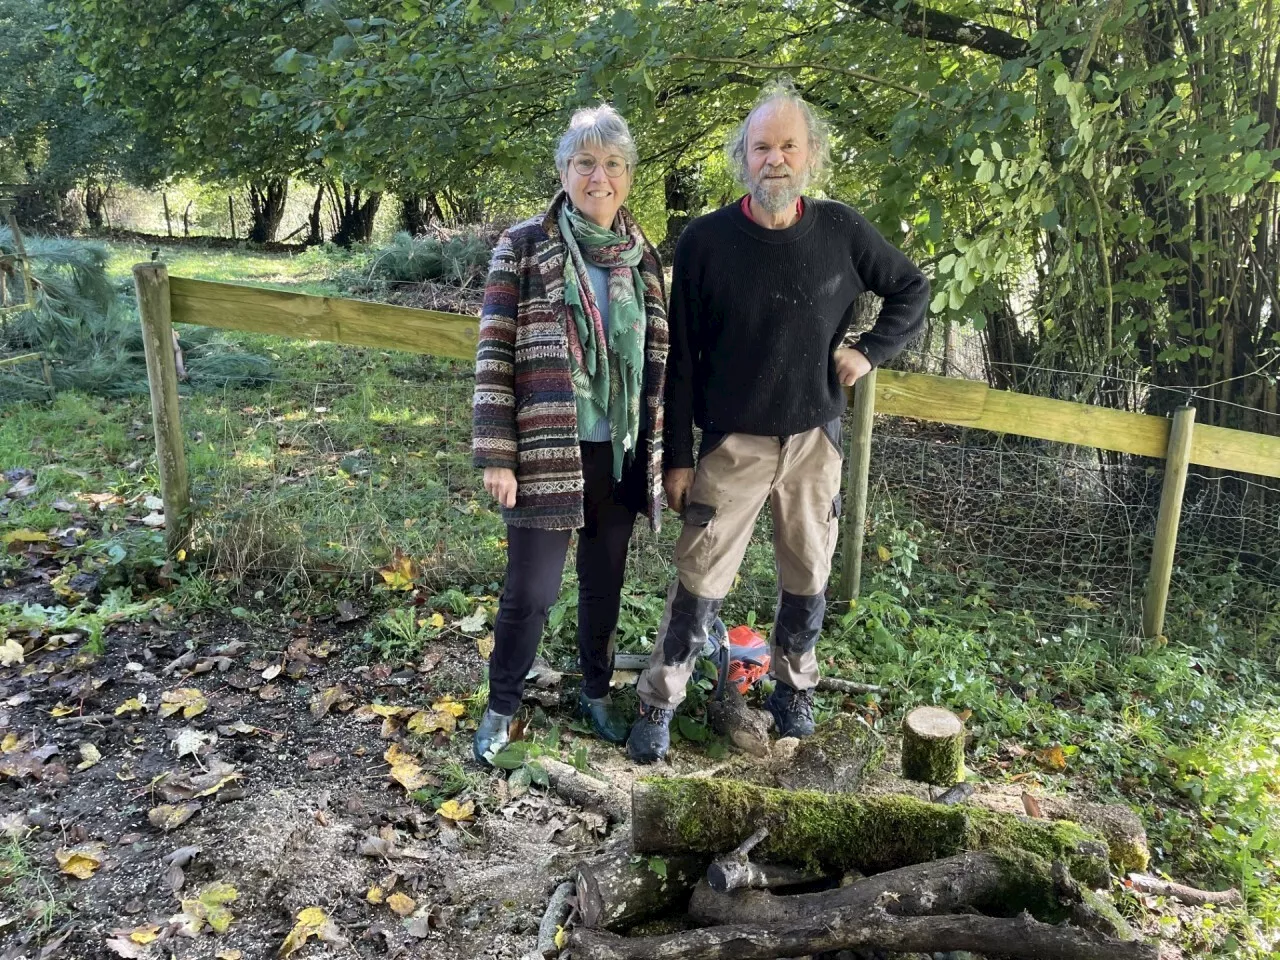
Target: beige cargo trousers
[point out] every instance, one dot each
(799, 476)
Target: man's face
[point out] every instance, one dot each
(777, 156)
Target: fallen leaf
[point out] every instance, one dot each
(186, 787)
(475, 622)
(375, 894)
(190, 741)
(89, 755)
(1032, 806)
(143, 934)
(401, 905)
(209, 907)
(400, 574)
(189, 700)
(132, 705)
(430, 660)
(11, 743)
(455, 811)
(485, 646)
(562, 937)
(372, 711)
(1051, 758)
(269, 692)
(80, 862)
(24, 536)
(61, 710)
(436, 621)
(228, 955)
(312, 922)
(122, 946)
(272, 672)
(319, 759)
(450, 706)
(324, 701)
(169, 816)
(405, 770)
(152, 503)
(14, 825)
(10, 653)
(153, 520)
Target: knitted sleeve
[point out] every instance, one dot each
(493, 429)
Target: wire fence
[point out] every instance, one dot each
(307, 477)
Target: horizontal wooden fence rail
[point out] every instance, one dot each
(964, 403)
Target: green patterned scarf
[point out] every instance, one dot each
(608, 377)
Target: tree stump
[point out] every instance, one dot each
(933, 746)
(835, 759)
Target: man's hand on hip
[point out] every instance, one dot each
(851, 365)
(677, 482)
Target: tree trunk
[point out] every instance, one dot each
(266, 204)
(680, 189)
(356, 212)
(418, 211)
(315, 232)
(619, 890)
(95, 199)
(840, 832)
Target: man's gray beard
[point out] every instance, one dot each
(777, 200)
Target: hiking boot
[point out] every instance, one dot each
(792, 710)
(607, 720)
(650, 735)
(491, 736)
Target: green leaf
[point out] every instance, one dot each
(658, 866)
(538, 773)
(287, 62)
(690, 729)
(510, 757)
(518, 782)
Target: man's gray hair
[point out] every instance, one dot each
(597, 128)
(783, 90)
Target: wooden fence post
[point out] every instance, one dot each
(855, 513)
(152, 283)
(1177, 460)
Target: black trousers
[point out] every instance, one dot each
(535, 567)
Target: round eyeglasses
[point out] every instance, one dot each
(585, 164)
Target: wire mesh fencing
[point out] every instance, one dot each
(353, 473)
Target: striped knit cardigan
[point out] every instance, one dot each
(525, 415)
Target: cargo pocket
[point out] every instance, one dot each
(696, 545)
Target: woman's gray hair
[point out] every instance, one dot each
(599, 128)
(783, 90)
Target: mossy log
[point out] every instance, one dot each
(618, 890)
(1117, 822)
(835, 759)
(838, 832)
(933, 746)
(998, 882)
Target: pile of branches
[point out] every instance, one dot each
(87, 327)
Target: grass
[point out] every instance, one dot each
(310, 271)
(25, 888)
(350, 461)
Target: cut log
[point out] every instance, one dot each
(1020, 937)
(557, 912)
(585, 790)
(1122, 827)
(618, 890)
(960, 793)
(1003, 883)
(933, 746)
(838, 832)
(1188, 895)
(736, 871)
(835, 759)
(745, 728)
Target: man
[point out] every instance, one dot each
(762, 295)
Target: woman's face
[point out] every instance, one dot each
(602, 189)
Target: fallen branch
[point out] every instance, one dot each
(1002, 882)
(848, 687)
(1020, 937)
(586, 791)
(1145, 883)
(558, 909)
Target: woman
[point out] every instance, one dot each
(568, 412)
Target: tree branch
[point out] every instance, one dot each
(916, 20)
(825, 67)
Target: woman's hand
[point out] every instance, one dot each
(501, 484)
